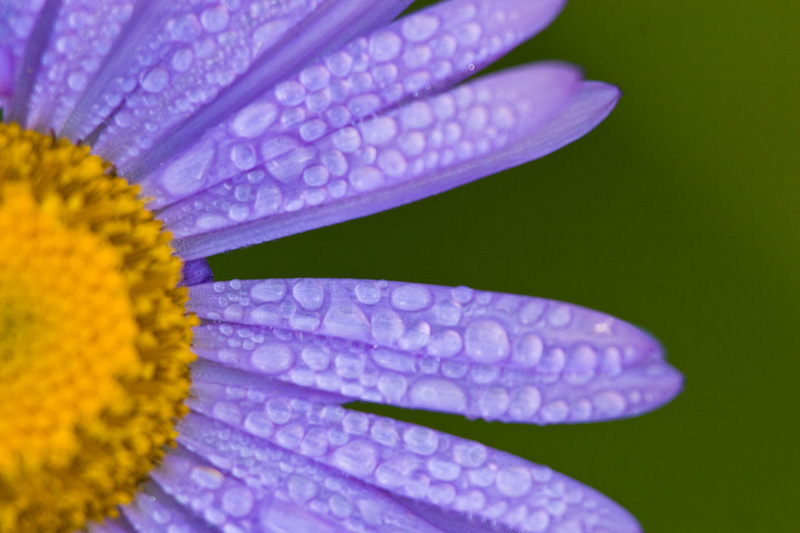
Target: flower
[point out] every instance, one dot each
(242, 121)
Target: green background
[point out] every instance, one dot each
(679, 213)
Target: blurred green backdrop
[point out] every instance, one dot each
(679, 213)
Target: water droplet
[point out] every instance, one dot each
(486, 341)
(237, 501)
(609, 404)
(493, 403)
(556, 411)
(392, 163)
(363, 105)
(309, 293)
(445, 344)
(339, 64)
(559, 316)
(514, 481)
(77, 81)
(290, 93)
(313, 130)
(258, 424)
(215, 19)
(349, 366)
(254, 119)
(227, 412)
(438, 394)
(528, 350)
(581, 365)
(531, 312)
(358, 457)
(184, 28)
(444, 45)
(272, 290)
(315, 77)
(243, 156)
(272, 358)
(379, 130)
(469, 33)
(411, 297)
(412, 143)
(421, 440)
(417, 57)
(525, 403)
(316, 176)
(336, 163)
(182, 59)
(419, 27)
(301, 489)
(347, 139)
(366, 178)
(207, 477)
(392, 386)
(368, 292)
(385, 46)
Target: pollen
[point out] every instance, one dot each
(94, 336)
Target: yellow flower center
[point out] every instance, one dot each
(94, 336)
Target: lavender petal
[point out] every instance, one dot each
(196, 272)
(421, 149)
(17, 20)
(153, 511)
(30, 61)
(429, 50)
(243, 482)
(115, 70)
(479, 354)
(328, 23)
(82, 36)
(454, 484)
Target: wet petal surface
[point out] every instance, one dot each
(327, 466)
(480, 354)
(414, 56)
(422, 149)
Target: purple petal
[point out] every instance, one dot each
(35, 25)
(17, 20)
(431, 49)
(166, 107)
(479, 354)
(454, 484)
(243, 482)
(410, 153)
(121, 74)
(196, 272)
(82, 36)
(154, 511)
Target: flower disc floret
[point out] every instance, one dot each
(94, 336)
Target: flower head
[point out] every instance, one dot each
(220, 124)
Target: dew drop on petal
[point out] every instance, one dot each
(384, 46)
(419, 27)
(271, 290)
(486, 341)
(309, 293)
(514, 481)
(237, 501)
(411, 297)
(438, 394)
(421, 440)
(609, 403)
(272, 358)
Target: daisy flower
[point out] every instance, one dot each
(141, 136)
